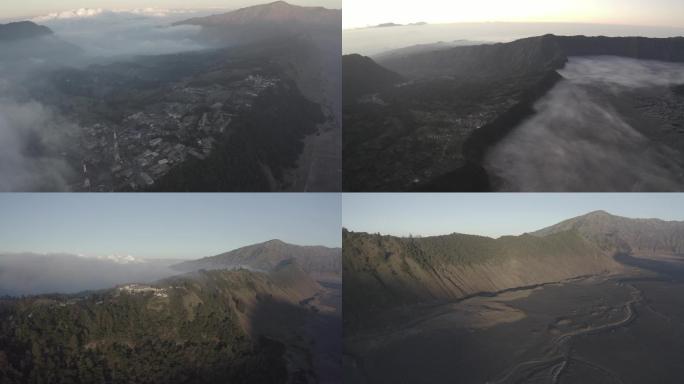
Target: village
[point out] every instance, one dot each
(187, 124)
(137, 289)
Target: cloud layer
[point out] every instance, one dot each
(578, 141)
(30, 274)
(107, 33)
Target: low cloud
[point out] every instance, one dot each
(578, 141)
(31, 274)
(105, 33)
(31, 136)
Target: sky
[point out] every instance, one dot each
(362, 13)
(164, 225)
(10, 9)
(494, 214)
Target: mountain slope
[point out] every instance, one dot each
(615, 233)
(362, 76)
(320, 262)
(199, 328)
(313, 38)
(386, 271)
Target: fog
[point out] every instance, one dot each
(29, 274)
(372, 41)
(578, 141)
(31, 136)
(102, 33)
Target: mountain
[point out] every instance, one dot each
(207, 327)
(540, 53)
(387, 271)
(279, 12)
(530, 55)
(266, 21)
(22, 30)
(25, 45)
(312, 39)
(362, 76)
(320, 262)
(422, 48)
(383, 272)
(615, 233)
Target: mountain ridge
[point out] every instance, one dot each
(383, 272)
(276, 12)
(623, 234)
(319, 261)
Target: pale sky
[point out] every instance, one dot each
(12, 9)
(185, 225)
(362, 13)
(494, 214)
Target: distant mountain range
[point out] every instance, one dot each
(319, 262)
(387, 271)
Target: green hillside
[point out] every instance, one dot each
(200, 328)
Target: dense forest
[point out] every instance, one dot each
(182, 330)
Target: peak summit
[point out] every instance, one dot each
(22, 30)
(278, 12)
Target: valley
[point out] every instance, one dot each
(470, 118)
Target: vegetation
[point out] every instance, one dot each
(262, 145)
(187, 333)
(382, 272)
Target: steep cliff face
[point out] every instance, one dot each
(615, 233)
(386, 271)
